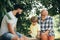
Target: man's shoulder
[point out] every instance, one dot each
(9, 15)
(50, 17)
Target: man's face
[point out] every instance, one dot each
(44, 13)
(19, 12)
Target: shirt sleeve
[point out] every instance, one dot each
(50, 27)
(9, 20)
(38, 27)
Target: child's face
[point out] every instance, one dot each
(34, 23)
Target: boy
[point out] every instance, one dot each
(34, 27)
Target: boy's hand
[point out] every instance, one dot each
(38, 34)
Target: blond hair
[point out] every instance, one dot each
(34, 19)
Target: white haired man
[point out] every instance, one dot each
(46, 24)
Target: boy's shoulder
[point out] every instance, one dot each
(38, 24)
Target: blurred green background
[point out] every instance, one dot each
(32, 7)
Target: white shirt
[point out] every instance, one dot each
(34, 29)
(6, 20)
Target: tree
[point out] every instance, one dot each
(52, 5)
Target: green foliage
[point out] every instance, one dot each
(23, 25)
(52, 5)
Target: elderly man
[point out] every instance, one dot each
(46, 24)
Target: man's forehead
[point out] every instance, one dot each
(44, 10)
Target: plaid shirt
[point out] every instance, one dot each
(47, 24)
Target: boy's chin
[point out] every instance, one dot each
(34, 24)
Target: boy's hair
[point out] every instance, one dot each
(21, 6)
(34, 19)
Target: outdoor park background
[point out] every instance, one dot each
(32, 7)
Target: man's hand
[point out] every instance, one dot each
(47, 32)
(16, 37)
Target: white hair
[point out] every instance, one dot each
(43, 9)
